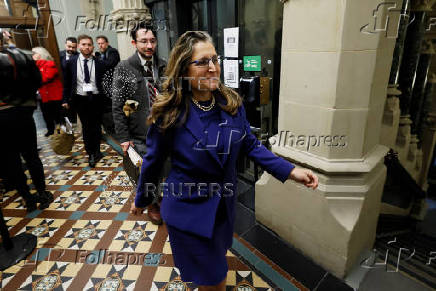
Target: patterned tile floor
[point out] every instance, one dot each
(88, 240)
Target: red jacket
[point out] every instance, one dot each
(51, 89)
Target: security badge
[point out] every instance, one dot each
(87, 87)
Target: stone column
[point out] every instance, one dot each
(408, 69)
(420, 83)
(414, 158)
(428, 130)
(391, 116)
(335, 74)
(127, 14)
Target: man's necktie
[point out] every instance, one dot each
(150, 82)
(86, 71)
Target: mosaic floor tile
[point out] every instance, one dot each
(77, 147)
(51, 276)
(12, 221)
(5, 196)
(19, 203)
(121, 180)
(60, 177)
(85, 234)
(110, 161)
(69, 200)
(42, 228)
(134, 236)
(7, 275)
(78, 161)
(168, 278)
(245, 280)
(113, 277)
(110, 201)
(93, 178)
(51, 161)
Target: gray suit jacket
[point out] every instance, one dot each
(129, 83)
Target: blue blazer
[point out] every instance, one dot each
(70, 77)
(199, 178)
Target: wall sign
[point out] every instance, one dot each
(252, 63)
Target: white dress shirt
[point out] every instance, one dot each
(81, 75)
(143, 60)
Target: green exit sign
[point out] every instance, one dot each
(252, 63)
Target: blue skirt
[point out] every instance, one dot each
(202, 260)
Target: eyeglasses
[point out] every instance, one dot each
(145, 41)
(206, 61)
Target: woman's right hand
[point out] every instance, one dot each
(136, 210)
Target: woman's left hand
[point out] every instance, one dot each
(305, 177)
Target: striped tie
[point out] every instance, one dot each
(151, 92)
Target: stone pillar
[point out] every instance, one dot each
(391, 116)
(417, 102)
(330, 116)
(428, 132)
(128, 13)
(408, 69)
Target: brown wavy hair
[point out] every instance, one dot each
(176, 95)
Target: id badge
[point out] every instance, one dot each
(87, 87)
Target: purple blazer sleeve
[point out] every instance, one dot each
(157, 151)
(276, 166)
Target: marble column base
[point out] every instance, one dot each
(391, 122)
(403, 138)
(428, 144)
(333, 224)
(394, 210)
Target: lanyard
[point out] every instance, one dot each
(90, 71)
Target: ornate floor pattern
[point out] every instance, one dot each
(87, 240)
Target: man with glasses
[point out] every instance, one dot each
(146, 69)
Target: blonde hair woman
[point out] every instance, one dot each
(201, 125)
(41, 53)
(51, 89)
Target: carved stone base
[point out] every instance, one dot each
(333, 224)
(428, 144)
(403, 138)
(391, 120)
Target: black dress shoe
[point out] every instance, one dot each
(92, 161)
(30, 204)
(44, 198)
(98, 156)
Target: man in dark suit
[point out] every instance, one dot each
(65, 55)
(83, 88)
(146, 68)
(111, 58)
(107, 54)
(69, 51)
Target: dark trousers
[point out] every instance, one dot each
(18, 133)
(51, 113)
(89, 109)
(71, 113)
(108, 119)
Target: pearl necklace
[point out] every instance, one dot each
(205, 108)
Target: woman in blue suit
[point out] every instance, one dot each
(201, 125)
